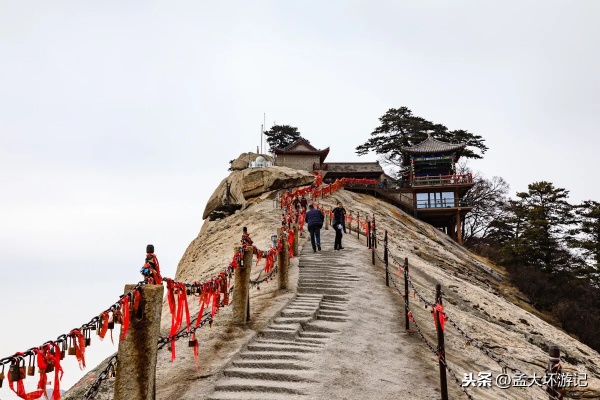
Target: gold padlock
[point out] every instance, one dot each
(2, 376)
(13, 372)
(22, 370)
(72, 348)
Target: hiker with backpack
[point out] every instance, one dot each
(314, 220)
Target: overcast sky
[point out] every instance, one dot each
(118, 119)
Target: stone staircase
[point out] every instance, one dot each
(278, 363)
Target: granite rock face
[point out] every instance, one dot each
(240, 186)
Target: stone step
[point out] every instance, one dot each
(248, 386)
(290, 375)
(331, 319)
(290, 348)
(299, 313)
(322, 285)
(269, 364)
(285, 326)
(314, 335)
(322, 291)
(272, 355)
(277, 334)
(335, 299)
(319, 327)
(292, 320)
(235, 395)
(330, 313)
(308, 296)
(331, 308)
(284, 342)
(318, 341)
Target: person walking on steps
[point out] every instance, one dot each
(314, 220)
(339, 222)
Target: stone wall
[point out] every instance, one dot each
(302, 162)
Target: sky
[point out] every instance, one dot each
(118, 119)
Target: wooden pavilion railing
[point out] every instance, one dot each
(442, 180)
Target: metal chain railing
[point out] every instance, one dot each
(183, 332)
(108, 372)
(474, 342)
(258, 280)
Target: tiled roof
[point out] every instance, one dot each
(291, 146)
(432, 146)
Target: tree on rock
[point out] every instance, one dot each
(586, 238)
(280, 136)
(399, 128)
(541, 218)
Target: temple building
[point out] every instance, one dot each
(436, 189)
(302, 155)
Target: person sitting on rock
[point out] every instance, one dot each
(314, 220)
(151, 269)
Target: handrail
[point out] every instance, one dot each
(444, 180)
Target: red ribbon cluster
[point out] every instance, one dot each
(439, 315)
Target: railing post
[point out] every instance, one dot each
(374, 233)
(373, 255)
(358, 225)
(554, 370)
(440, 336)
(295, 244)
(385, 260)
(406, 319)
(136, 375)
(283, 262)
(327, 218)
(368, 234)
(241, 288)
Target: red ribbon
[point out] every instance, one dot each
(20, 391)
(103, 324)
(438, 310)
(125, 309)
(79, 343)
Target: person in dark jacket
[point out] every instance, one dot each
(339, 224)
(314, 220)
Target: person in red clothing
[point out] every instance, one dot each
(303, 203)
(151, 269)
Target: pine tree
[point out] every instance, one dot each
(541, 218)
(399, 128)
(280, 136)
(586, 238)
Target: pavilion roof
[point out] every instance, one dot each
(302, 147)
(433, 146)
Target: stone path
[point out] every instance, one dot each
(327, 343)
